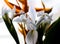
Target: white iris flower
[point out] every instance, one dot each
(32, 35)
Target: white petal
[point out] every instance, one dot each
(31, 26)
(28, 27)
(21, 18)
(28, 19)
(50, 17)
(40, 13)
(4, 10)
(17, 19)
(32, 13)
(31, 37)
(47, 19)
(11, 13)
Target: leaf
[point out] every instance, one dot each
(40, 29)
(10, 27)
(53, 33)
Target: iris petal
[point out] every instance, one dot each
(31, 37)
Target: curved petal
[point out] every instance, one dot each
(11, 13)
(32, 13)
(31, 37)
(50, 17)
(40, 13)
(33, 26)
(30, 26)
(17, 19)
(4, 10)
(21, 18)
(47, 18)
